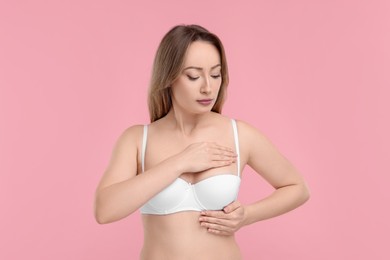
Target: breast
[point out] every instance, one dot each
(170, 197)
(213, 193)
(216, 192)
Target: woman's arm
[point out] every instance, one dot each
(290, 188)
(121, 191)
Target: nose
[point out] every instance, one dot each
(206, 87)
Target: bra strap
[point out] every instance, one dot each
(144, 139)
(235, 132)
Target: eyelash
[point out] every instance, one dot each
(192, 78)
(195, 78)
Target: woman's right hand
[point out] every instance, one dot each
(202, 156)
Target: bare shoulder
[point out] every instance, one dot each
(253, 142)
(220, 119)
(124, 158)
(129, 142)
(129, 139)
(247, 132)
(131, 134)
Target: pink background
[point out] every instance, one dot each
(312, 75)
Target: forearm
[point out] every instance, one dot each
(282, 200)
(119, 200)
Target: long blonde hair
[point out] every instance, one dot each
(168, 64)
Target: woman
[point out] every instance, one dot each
(183, 170)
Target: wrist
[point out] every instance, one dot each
(176, 164)
(246, 220)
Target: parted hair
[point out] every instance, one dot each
(169, 62)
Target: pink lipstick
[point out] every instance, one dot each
(205, 102)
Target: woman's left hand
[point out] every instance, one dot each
(224, 222)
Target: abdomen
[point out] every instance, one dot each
(180, 236)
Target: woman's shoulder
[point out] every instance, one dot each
(133, 129)
(131, 134)
(249, 131)
(242, 125)
(220, 118)
(254, 138)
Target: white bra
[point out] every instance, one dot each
(212, 193)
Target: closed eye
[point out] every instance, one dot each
(216, 76)
(192, 78)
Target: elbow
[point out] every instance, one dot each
(305, 192)
(106, 211)
(100, 221)
(100, 218)
(101, 210)
(104, 215)
(106, 218)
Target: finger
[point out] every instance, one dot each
(214, 213)
(232, 207)
(215, 221)
(216, 164)
(219, 232)
(221, 148)
(220, 224)
(219, 229)
(220, 152)
(219, 155)
(216, 226)
(223, 157)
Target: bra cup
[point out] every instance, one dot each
(171, 196)
(218, 191)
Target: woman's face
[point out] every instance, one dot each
(196, 89)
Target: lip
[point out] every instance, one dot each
(205, 102)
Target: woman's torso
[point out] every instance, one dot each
(179, 235)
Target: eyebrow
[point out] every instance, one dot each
(199, 68)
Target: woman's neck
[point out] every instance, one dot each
(185, 123)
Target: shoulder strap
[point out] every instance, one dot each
(144, 140)
(235, 132)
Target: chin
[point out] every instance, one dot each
(201, 111)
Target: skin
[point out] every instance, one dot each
(193, 143)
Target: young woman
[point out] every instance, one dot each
(183, 170)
